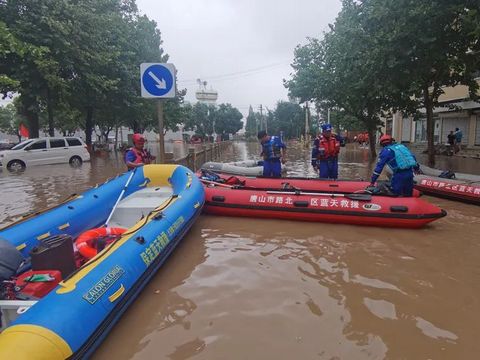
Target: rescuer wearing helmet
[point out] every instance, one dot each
(402, 163)
(137, 155)
(274, 154)
(325, 153)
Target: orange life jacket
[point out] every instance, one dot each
(141, 156)
(327, 147)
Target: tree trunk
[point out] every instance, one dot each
(116, 138)
(51, 126)
(33, 123)
(89, 126)
(30, 110)
(430, 127)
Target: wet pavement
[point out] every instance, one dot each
(265, 289)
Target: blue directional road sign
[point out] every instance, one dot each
(157, 80)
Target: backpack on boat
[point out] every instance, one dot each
(403, 157)
(211, 176)
(447, 174)
(233, 180)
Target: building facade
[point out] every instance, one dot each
(455, 110)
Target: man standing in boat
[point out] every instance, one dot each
(274, 154)
(325, 153)
(137, 155)
(402, 163)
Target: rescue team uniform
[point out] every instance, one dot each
(325, 156)
(402, 163)
(271, 151)
(136, 156)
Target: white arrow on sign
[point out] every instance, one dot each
(161, 84)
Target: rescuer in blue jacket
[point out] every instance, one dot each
(325, 153)
(274, 154)
(402, 163)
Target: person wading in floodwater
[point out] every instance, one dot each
(274, 154)
(325, 153)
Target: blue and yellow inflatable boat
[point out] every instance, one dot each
(159, 205)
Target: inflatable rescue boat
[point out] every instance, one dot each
(460, 187)
(124, 230)
(244, 168)
(288, 204)
(295, 183)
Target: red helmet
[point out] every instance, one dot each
(385, 139)
(138, 139)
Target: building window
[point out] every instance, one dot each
(421, 130)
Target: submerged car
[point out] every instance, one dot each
(45, 151)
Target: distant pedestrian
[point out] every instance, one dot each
(458, 140)
(451, 142)
(274, 154)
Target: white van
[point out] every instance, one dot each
(45, 151)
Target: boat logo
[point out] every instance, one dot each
(101, 287)
(372, 207)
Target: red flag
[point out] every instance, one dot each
(23, 130)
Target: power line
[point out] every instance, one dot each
(237, 74)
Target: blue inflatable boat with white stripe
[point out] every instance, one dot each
(157, 208)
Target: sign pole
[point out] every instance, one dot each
(161, 140)
(157, 81)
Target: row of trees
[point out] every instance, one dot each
(75, 63)
(386, 55)
(203, 119)
(287, 117)
(209, 119)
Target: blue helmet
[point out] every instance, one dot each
(326, 127)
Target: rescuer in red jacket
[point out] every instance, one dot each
(325, 153)
(137, 155)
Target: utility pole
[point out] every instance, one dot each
(307, 113)
(261, 118)
(161, 141)
(266, 120)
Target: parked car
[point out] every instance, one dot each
(45, 151)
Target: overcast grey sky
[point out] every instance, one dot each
(251, 41)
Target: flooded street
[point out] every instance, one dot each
(239, 288)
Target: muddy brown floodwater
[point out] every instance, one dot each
(265, 289)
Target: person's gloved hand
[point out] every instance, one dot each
(371, 187)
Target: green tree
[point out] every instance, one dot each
(390, 55)
(338, 71)
(288, 118)
(228, 119)
(422, 47)
(10, 121)
(35, 67)
(201, 120)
